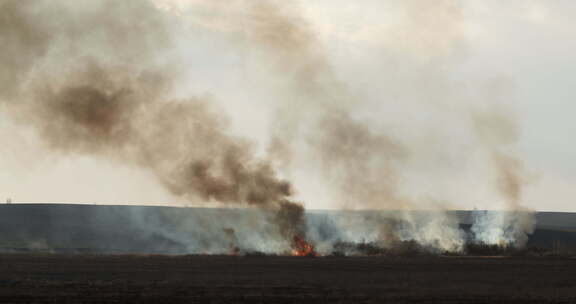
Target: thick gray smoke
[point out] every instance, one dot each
(96, 79)
(99, 79)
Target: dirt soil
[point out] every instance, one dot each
(52, 278)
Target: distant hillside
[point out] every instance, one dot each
(146, 229)
(544, 220)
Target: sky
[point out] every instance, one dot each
(516, 55)
(532, 43)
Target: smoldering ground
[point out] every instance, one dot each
(99, 79)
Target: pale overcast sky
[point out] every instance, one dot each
(524, 48)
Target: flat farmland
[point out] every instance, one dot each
(60, 278)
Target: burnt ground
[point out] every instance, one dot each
(58, 278)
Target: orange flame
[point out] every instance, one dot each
(300, 247)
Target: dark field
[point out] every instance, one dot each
(47, 278)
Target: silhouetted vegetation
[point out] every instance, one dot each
(479, 249)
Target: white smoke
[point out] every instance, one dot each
(502, 228)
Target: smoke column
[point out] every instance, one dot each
(366, 163)
(99, 79)
(512, 225)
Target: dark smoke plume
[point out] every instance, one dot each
(96, 79)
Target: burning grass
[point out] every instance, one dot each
(301, 247)
(411, 249)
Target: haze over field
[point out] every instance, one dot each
(275, 105)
